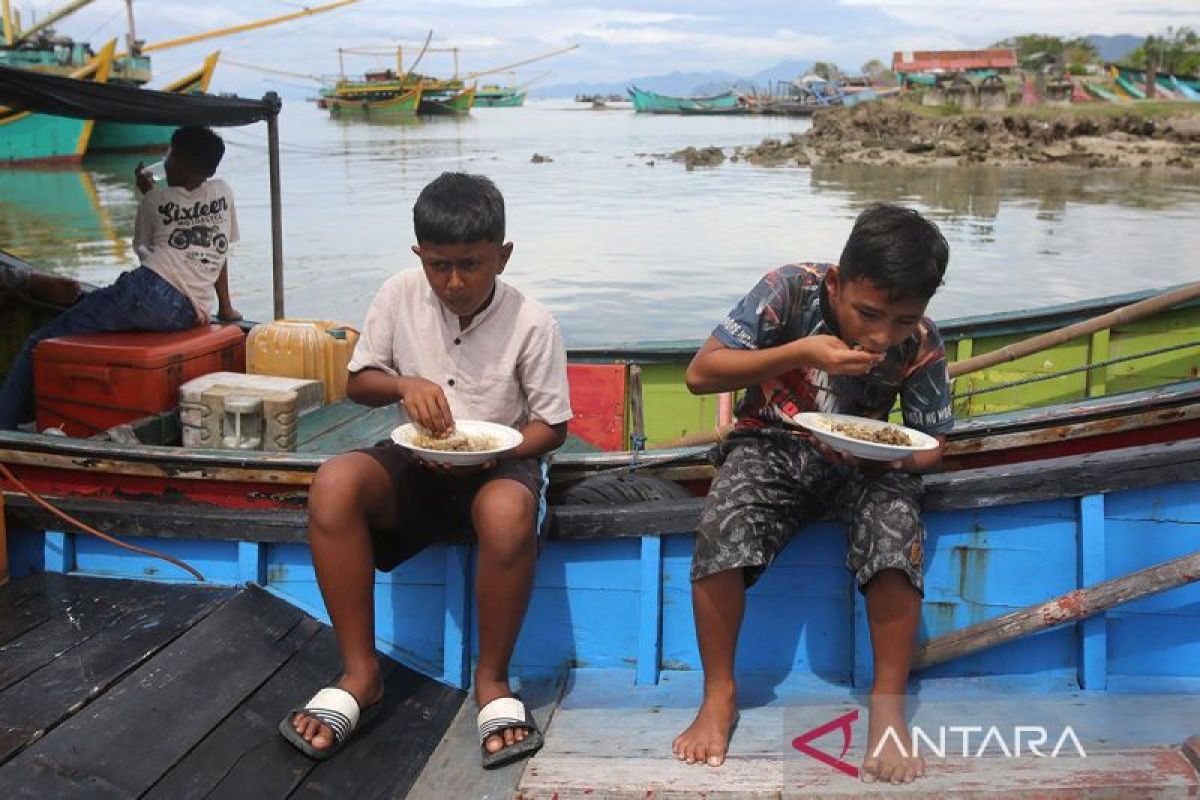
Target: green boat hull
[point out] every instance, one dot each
(500, 100)
(456, 104)
(400, 107)
(38, 138)
(116, 137)
(645, 102)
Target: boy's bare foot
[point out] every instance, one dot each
(487, 690)
(367, 691)
(892, 764)
(706, 740)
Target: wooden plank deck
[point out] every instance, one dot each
(113, 688)
(611, 739)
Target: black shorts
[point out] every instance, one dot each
(432, 507)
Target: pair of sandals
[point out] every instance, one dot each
(339, 710)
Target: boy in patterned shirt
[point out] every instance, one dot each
(846, 338)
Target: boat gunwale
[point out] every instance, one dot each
(16, 445)
(1064, 477)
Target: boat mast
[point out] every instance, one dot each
(249, 26)
(131, 36)
(10, 32)
(51, 18)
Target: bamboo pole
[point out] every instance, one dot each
(1119, 316)
(1069, 607)
(1122, 315)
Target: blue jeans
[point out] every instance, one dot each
(139, 300)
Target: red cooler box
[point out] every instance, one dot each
(86, 384)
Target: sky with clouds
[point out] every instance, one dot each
(618, 40)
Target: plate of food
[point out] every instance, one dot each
(861, 437)
(470, 442)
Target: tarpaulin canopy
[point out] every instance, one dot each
(25, 90)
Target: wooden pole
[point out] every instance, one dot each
(3, 544)
(1122, 315)
(276, 209)
(1070, 607)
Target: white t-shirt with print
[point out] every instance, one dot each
(184, 236)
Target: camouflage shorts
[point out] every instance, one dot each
(770, 483)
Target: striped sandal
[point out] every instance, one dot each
(498, 715)
(334, 707)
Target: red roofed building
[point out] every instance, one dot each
(1002, 59)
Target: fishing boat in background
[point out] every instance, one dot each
(647, 102)
(28, 137)
(37, 48)
(447, 102)
(1060, 566)
(110, 137)
(388, 108)
(493, 96)
(453, 96)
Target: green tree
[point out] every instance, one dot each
(827, 70)
(874, 68)
(1176, 52)
(1073, 54)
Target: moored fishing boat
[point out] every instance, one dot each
(28, 137)
(647, 102)
(499, 97)
(110, 137)
(453, 103)
(400, 106)
(610, 608)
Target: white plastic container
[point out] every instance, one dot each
(231, 410)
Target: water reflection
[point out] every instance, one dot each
(979, 191)
(617, 249)
(61, 218)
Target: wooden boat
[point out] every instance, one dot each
(499, 97)
(447, 103)
(1102, 93)
(1092, 504)
(27, 137)
(117, 137)
(400, 106)
(647, 102)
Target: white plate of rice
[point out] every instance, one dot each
(861, 437)
(473, 442)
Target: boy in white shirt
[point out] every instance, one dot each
(449, 341)
(181, 236)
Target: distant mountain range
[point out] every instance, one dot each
(682, 83)
(1114, 48)
(1110, 48)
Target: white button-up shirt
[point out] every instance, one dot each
(508, 366)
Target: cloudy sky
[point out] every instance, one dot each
(618, 40)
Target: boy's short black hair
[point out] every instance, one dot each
(896, 249)
(457, 208)
(199, 147)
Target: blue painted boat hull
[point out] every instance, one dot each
(625, 602)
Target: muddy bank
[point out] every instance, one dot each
(892, 134)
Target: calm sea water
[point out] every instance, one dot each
(621, 244)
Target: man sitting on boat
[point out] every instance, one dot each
(817, 337)
(181, 236)
(449, 342)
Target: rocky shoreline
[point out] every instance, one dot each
(891, 134)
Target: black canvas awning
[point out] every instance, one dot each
(26, 90)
